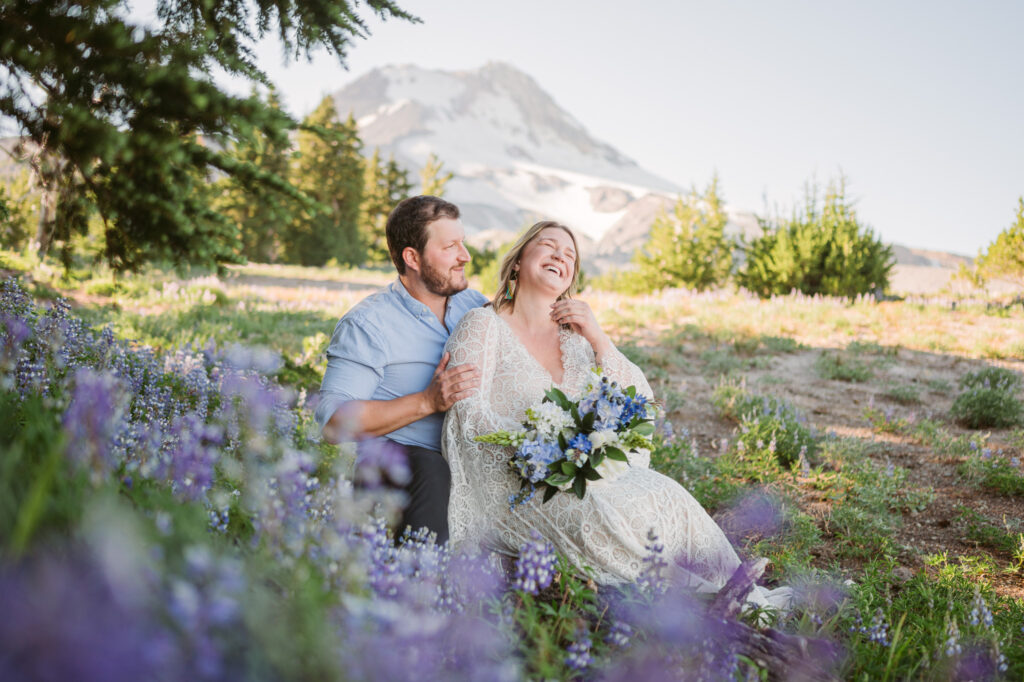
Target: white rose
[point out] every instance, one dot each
(604, 437)
(610, 469)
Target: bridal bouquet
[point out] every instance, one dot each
(563, 444)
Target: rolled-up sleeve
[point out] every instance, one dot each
(355, 361)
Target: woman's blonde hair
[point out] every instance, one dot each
(500, 301)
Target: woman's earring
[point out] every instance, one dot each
(509, 290)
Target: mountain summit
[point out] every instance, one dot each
(517, 155)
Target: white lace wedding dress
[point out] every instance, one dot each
(606, 530)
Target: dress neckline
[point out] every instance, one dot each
(563, 336)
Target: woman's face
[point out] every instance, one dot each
(548, 261)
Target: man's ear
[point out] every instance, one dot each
(412, 258)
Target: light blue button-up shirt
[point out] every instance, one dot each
(386, 347)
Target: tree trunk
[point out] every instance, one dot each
(47, 222)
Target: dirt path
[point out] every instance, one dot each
(839, 407)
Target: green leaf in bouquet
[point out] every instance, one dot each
(563, 442)
(557, 479)
(549, 493)
(591, 474)
(616, 454)
(596, 457)
(579, 486)
(644, 428)
(558, 398)
(587, 423)
(630, 391)
(568, 468)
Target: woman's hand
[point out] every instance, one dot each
(580, 318)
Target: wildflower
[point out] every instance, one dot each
(879, 630)
(652, 579)
(619, 634)
(535, 567)
(379, 462)
(92, 419)
(952, 644)
(579, 657)
(980, 613)
(805, 466)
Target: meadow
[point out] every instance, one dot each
(871, 450)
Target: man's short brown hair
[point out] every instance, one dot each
(407, 224)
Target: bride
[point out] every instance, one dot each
(534, 335)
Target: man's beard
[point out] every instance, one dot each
(438, 284)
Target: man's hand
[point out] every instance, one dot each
(448, 386)
(380, 417)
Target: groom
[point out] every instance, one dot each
(387, 372)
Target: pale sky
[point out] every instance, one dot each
(921, 104)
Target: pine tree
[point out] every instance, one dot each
(260, 213)
(1004, 257)
(687, 248)
(129, 122)
(384, 185)
(433, 179)
(328, 169)
(821, 249)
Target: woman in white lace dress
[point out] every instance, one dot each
(533, 336)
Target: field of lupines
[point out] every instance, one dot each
(169, 514)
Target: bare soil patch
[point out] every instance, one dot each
(839, 406)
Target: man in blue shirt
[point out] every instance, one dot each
(387, 372)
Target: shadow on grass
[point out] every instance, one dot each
(293, 282)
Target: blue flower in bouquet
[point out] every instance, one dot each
(581, 442)
(533, 458)
(579, 447)
(631, 407)
(607, 411)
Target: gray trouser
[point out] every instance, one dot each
(428, 492)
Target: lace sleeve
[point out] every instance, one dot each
(477, 469)
(621, 369)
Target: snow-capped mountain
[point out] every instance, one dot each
(516, 155)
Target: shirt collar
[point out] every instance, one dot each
(415, 307)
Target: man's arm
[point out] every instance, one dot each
(379, 417)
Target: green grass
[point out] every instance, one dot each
(1004, 535)
(904, 395)
(840, 367)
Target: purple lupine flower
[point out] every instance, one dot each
(620, 634)
(980, 663)
(578, 656)
(205, 604)
(980, 612)
(474, 578)
(381, 462)
(952, 646)
(93, 418)
(190, 460)
(535, 567)
(65, 620)
(13, 334)
(652, 578)
(755, 515)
